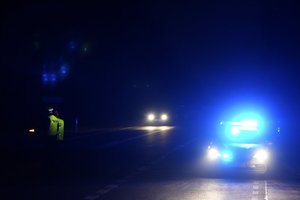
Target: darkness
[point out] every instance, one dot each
(196, 61)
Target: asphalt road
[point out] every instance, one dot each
(132, 163)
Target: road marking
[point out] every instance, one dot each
(266, 191)
(256, 190)
(111, 187)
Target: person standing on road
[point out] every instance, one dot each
(56, 126)
(54, 135)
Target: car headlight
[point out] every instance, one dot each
(164, 117)
(151, 117)
(32, 130)
(261, 155)
(213, 153)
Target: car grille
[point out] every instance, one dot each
(242, 155)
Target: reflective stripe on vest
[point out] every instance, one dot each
(61, 129)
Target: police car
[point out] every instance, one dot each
(242, 143)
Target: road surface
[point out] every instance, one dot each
(131, 163)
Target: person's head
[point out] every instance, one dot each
(52, 111)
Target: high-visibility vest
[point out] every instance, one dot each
(54, 122)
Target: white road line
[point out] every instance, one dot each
(266, 191)
(256, 190)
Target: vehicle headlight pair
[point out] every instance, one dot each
(152, 117)
(260, 156)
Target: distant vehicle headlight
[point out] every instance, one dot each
(261, 155)
(32, 130)
(164, 117)
(213, 153)
(151, 117)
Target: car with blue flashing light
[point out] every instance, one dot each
(241, 144)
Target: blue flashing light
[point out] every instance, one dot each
(249, 123)
(245, 125)
(244, 129)
(235, 130)
(63, 70)
(53, 77)
(247, 128)
(45, 77)
(227, 156)
(72, 45)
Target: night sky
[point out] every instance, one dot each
(124, 58)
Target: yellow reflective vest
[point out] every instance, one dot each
(53, 128)
(56, 127)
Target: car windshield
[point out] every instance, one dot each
(138, 100)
